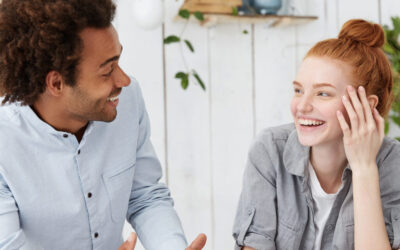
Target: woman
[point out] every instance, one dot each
(331, 180)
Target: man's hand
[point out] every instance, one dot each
(130, 243)
(198, 243)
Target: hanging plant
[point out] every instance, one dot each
(187, 75)
(392, 49)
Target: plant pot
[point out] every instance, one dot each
(265, 7)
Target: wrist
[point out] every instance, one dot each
(364, 170)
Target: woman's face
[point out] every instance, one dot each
(318, 89)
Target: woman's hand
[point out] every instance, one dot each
(364, 137)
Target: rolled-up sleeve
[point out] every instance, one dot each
(151, 212)
(255, 223)
(389, 171)
(11, 235)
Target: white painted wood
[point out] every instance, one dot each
(142, 58)
(389, 8)
(275, 66)
(188, 130)
(231, 121)
(309, 34)
(365, 9)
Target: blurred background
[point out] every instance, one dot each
(247, 67)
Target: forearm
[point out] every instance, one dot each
(369, 224)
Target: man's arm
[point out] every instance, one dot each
(11, 235)
(150, 210)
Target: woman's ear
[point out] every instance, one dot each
(373, 101)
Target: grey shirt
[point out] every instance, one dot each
(276, 210)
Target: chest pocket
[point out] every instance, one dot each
(288, 235)
(118, 186)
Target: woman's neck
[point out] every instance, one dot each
(329, 161)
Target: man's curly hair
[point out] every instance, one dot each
(38, 36)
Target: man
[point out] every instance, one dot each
(75, 155)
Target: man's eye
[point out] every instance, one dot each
(109, 73)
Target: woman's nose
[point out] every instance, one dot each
(305, 105)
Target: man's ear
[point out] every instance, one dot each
(54, 83)
(373, 101)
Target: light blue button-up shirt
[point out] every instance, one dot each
(57, 193)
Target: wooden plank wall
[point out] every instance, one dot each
(202, 138)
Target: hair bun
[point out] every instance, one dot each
(364, 32)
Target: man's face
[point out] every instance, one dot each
(100, 80)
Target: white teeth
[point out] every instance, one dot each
(111, 99)
(309, 122)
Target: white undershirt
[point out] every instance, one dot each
(323, 204)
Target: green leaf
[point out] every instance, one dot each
(199, 81)
(190, 46)
(184, 14)
(386, 127)
(235, 11)
(396, 119)
(245, 32)
(185, 82)
(199, 15)
(171, 39)
(398, 138)
(181, 75)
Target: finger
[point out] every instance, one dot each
(367, 109)
(380, 123)
(130, 243)
(355, 101)
(198, 243)
(343, 124)
(351, 113)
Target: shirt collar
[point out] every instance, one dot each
(295, 155)
(28, 114)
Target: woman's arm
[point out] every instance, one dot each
(362, 141)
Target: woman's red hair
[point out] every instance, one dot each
(359, 44)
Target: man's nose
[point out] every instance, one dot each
(122, 79)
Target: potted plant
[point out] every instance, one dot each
(392, 49)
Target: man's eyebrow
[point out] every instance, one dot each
(114, 58)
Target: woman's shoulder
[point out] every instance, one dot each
(272, 141)
(277, 133)
(389, 151)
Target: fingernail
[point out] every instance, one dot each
(338, 112)
(361, 88)
(350, 88)
(344, 98)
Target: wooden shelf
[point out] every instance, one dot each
(220, 12)
(212, 19)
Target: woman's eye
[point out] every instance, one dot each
(297, 91)
(324, 94)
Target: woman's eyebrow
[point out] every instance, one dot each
(318, 85)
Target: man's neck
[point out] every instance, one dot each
(59, 119)
(329, 161)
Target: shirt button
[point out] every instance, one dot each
(89, 195)
(79, 152)
(65, 135)
(96, 234)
